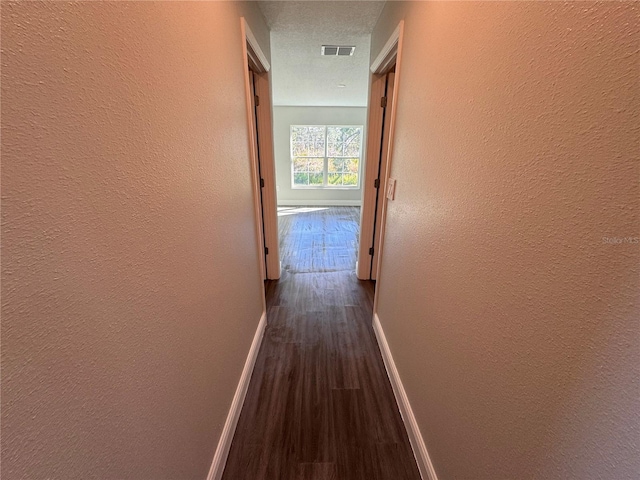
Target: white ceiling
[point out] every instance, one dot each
(300, 75)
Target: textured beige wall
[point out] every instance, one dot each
(513, 324)
(130, 283)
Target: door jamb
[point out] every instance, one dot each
(253, 54)
(374, 124)
(268, 169)
(389, 56)
(395, 51)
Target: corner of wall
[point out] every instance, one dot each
(226, 438)
(425, 465)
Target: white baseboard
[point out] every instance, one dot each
(319, 203)
(224, 444)
(427, 472)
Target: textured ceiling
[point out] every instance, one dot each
(301, 76)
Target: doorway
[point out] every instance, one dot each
(382, 106)
(258, 93)
(319, 153)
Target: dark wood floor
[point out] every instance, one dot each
(319, 405)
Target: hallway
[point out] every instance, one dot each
(319, 404)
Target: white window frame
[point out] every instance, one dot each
(325, 169)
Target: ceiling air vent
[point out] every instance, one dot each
(338, 50)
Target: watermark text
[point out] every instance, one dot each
(620, 240)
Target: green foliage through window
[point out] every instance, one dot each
(326, 156)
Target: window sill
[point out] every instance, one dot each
(325, 188)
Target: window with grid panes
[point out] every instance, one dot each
(325, 156)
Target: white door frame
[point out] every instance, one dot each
(265, 211)
(389, 56)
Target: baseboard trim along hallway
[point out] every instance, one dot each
(224, 444)
(427, 472)
(320, 404)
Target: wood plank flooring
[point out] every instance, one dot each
(318, 239)
(319, 404)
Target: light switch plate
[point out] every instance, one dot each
(391, 189)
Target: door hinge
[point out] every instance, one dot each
(383, 102)
(266, 250)
(262, 183)
(376, 183)
(371, 251)
(257, 100)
